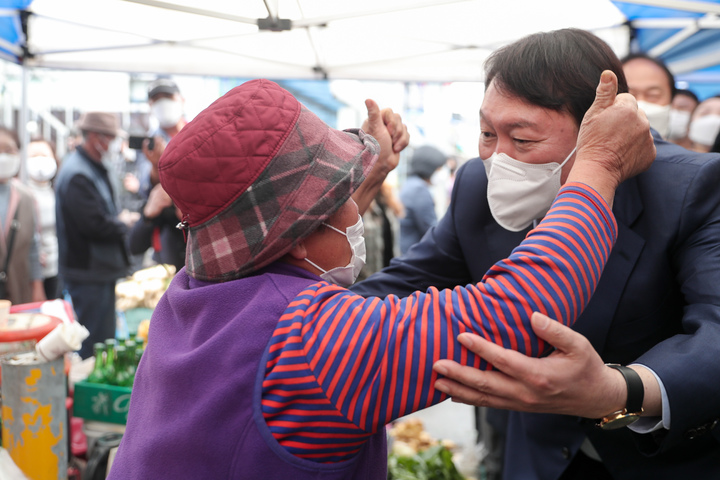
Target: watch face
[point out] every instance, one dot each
(618, 420)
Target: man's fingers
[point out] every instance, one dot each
(555, 333)
(464, 383)
(461, 393)
(507, 361)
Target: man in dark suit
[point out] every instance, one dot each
(656, 308)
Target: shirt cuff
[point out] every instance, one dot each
(650, 424)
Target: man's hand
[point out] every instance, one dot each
(156, 152)
(614, 141)
(572, 380)
(387, 128)
(131, 183)
(154, 157)
(158, 200)
(128, 218)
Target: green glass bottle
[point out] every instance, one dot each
(110, 369)
(110, 343)
(123, 375)
(98, 374)
(138, 355)
(131, 346)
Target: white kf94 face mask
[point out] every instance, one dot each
(168, 112)
(657, 115)
(704, 130)
(346, 276)
(9, 165)
(520, 192)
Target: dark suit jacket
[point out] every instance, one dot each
(657, 303)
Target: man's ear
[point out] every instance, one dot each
(298, 252)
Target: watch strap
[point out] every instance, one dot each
(635, 388)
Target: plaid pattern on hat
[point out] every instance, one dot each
(308, 171)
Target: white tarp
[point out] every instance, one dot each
(407, 40)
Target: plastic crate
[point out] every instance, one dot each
(101, 402)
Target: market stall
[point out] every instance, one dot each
(62, 416)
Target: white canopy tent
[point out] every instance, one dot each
(407, 40)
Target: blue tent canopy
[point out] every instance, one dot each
(684, 34)
(12, 38)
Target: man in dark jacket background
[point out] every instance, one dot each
(91, 234)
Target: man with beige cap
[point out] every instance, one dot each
(91, 234)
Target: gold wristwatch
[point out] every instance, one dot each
(633, 406)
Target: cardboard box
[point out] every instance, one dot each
(102, 403)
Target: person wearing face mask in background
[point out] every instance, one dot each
(259, 363)
(653, 86)
(682, 107)
(705, 125)
(42, 166)
(167, 110)
(91, 232)
(21, 278)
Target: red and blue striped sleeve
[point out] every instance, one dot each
(341, 366)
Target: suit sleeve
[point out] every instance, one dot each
(687, 363)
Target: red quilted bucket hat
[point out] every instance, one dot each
(256, 172)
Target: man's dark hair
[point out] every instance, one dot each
(559, 70)
(656, 61)
(687, 93)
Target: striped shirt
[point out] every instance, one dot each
(341, 366)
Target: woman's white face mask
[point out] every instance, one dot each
(41, 168)
(704, 130)
(346, 276)
(679, 122)
(9, 165)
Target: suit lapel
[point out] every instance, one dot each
(595, 322)
(502, 244)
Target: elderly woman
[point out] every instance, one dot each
(21, 277)
(260, 363)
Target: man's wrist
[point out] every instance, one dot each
(632, 409)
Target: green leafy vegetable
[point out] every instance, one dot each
(435, 463)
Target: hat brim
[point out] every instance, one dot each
(312, 175)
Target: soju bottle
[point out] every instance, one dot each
(138, 355)
(131, 357)
(98, 374)
(123, 375)
(110, 369)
